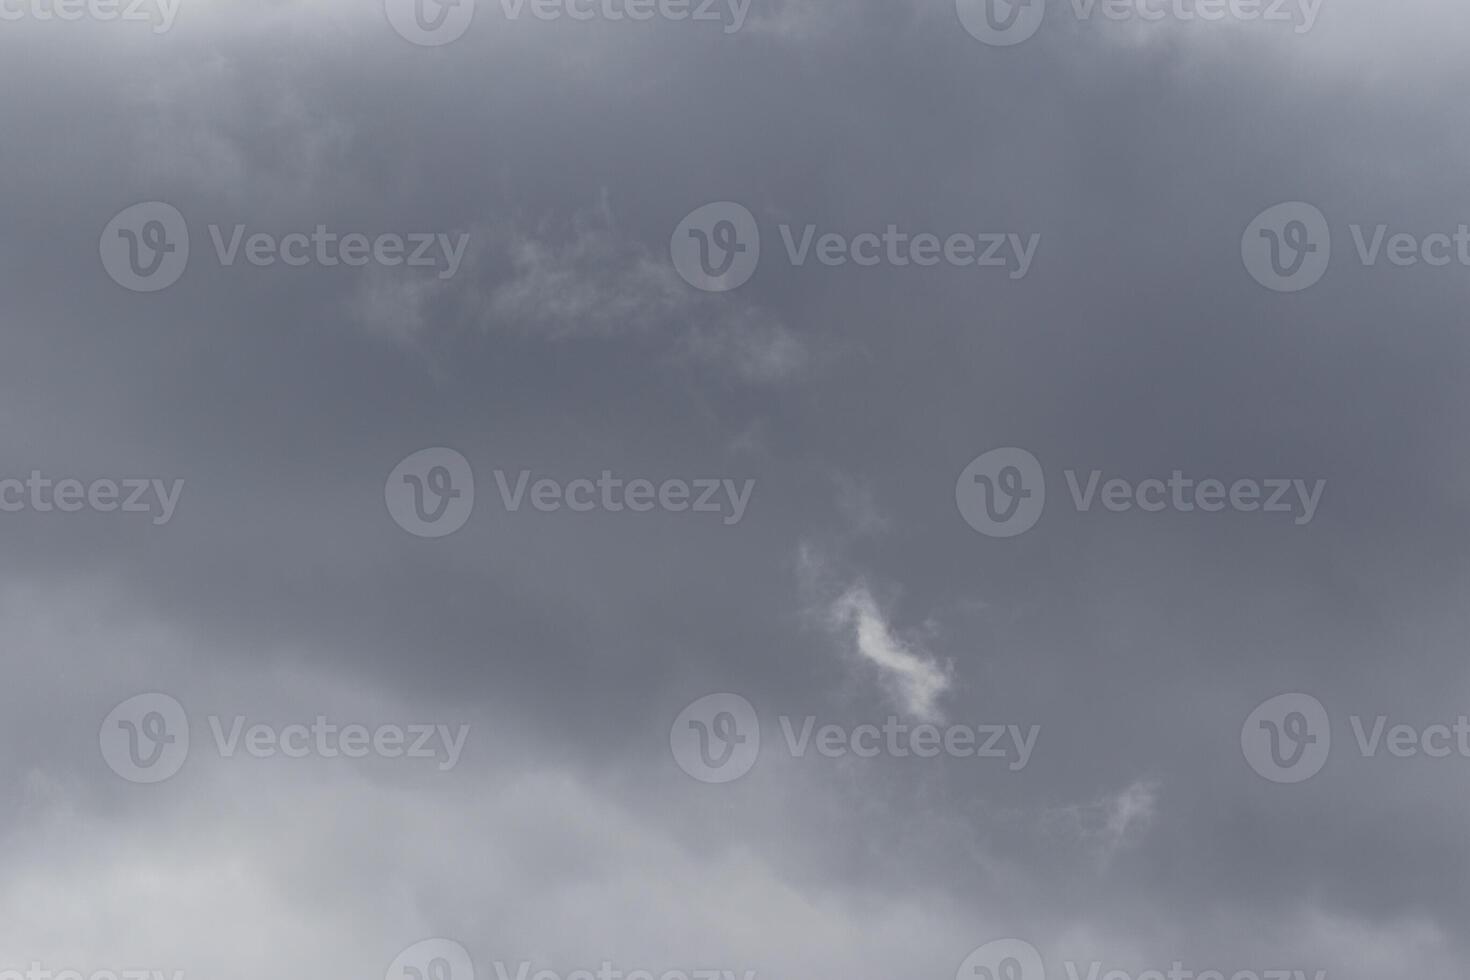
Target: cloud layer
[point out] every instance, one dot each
(852, 590)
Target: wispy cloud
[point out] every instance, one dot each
(913, 677)
(1113, 821)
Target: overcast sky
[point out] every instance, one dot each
(1096, 295)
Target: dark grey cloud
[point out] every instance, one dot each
(851, 590)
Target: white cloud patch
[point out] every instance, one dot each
(583, 283)
(1115, 821)
(594, 283)
(912, 676)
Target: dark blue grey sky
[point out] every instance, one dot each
(1060, 246)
